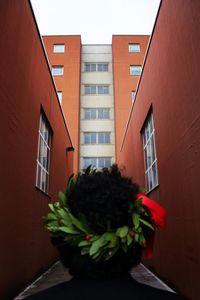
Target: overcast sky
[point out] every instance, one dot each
(95, 20)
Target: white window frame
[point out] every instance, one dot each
(43, 162)
(96, 67)
(150, 158)
(57, 70)
(95, 113)
(134, 47)
(96, 162)
(58, 48)
(99, 89)
(97, 138)
(135, 70)
(59, 93)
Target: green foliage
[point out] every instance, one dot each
(76, 232)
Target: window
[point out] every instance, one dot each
(59, 93)
(133, 95)
(135, 70)
(151, 173)
(134, 47)
(98, 162)
(43, 157)
(96, 67)
(96, 89)
(96, 113)
(57, 70)
(58, 48)
(97, 138)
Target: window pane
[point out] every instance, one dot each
(87, 67)
(135, 70)
(107, 162)
(93, 138)
(92, 67)
(103, 89)
(90, 89)
(43, 157)
(107, 138)
(87, 138)
(57, 70)
(59, 48)
(150, 154)
(134, 47)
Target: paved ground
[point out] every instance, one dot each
(57, 274)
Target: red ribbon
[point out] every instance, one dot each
(158, 215)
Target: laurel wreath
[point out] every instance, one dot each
(60, 222)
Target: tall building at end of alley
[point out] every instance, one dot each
(96, 85)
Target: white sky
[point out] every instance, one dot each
(95, 20)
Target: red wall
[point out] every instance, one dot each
(69, 83)
(25, 86)
(124, 83)
(170, 84)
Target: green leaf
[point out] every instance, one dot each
(108, 236)
(136, 220)
(84, 243)
(122, 231)
(77, 223)
(62, 199)
(129, 239)
(69, 230)
(137, 237)
(52, 208)
(146, 224)
(113, 243)
(96, 245)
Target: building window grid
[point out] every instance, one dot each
(151, 173)
(96, 67)
(97, 137)
(98, 162)
(96, 113)
(43, 156)
(96, 89)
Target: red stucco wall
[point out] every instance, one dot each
(69, 82)
(25, 86)
(124, 83)
(170, 84)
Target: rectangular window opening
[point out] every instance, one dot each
(43, 156)
(58, 48)
(134, 48)
(151, 171)
(57, 70)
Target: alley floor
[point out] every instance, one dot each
(57, 274)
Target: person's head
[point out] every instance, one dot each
(106, 237)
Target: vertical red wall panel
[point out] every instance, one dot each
(170, 85)
(69, 83)
(25, 86)
(124, 83)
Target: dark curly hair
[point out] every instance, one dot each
(103, 198)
